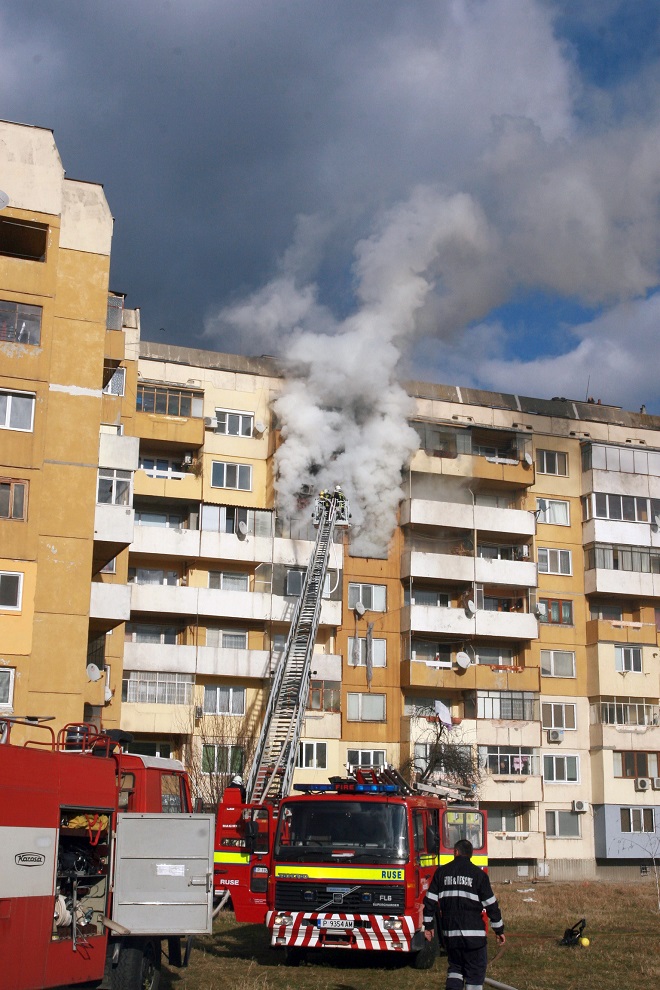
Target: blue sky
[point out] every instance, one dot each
(274, 165)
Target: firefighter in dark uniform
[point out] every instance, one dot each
(457, 895)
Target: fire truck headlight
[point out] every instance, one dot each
(394, 924)
(282, 919)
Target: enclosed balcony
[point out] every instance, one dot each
(203, 660)
(110, 604)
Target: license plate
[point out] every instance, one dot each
(335, 923)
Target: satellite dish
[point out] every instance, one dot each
(359, 609)
(470, 607)
(259, 426)
(528, 460)
(93, 672)
(4, 200)
(107, 694)
(242, 528)
(463, 660)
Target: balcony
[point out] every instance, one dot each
(514, 732)
(182, 432)
(615, 531)
(456, 622)
(516, 788)
(416, 673)
(615, 631)
(457, 568)
(455, 515)
(508, 471)
(119, 452)
(254, 606)
(630, 584)
(110, 604)
(140, 717)
(515, 845)
(204, 660)
(322, 725)
(326, 667)
(178, 484)
(624, 737)
(113, 525)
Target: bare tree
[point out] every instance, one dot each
(447, 757)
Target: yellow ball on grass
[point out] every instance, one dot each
(584, 940)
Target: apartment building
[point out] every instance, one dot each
(57, 357)
(146, 580)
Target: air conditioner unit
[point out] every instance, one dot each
(656, 783)
(580, 807)
(210, 423)
(642, 783)
(199, 711)
(524, 551)
(555, 735)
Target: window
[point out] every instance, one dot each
(426, 596)
(365, 707)
(227, 475)
(554, 561)
(629, 711)
(365, 757)
(152, 575)
(635, 764)
(312, 755)
(628, 508)
(623, 558)
(509, 760)
(171, 795)
(114, 313)
(424, 751)
(227, 639)
(515, 705)
(137, 632)
(557, 663)
(628, 658)
(556, 611)
(561, 769)
(224, 700)
(11, 590)
(507, 820)
(637, 820)
(558, 715)
(234, 424)
(169, 401)
(23, 239)
(114, 487)
(551, 462)
(13, 499)
(294, 583)
(607, 613)
(222, 759)
(372, 596)
(117, 383)
(553, 511)
(429, 652)
(16, 411)
(161, 467)
(19, 323)
(96, 650)
(236, 519)
(168, 520)
(357, 652)
(6, 688)
(495, 656)
(157, 688)
(324, 696)
(229, 580)
(562, 825)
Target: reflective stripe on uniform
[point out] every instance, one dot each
(466, 933)
(489, 900)
(459, 892)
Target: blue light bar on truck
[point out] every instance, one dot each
(347, 787)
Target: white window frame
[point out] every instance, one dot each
(163, 683)
(559, 816)
(497, 817)
(558, 710)
(8, 674)
(378, 652)
(628, 659)
(11, 394)
(355, 704)
(242, 414)
(170, 467)
(135, 572)
(550, 654)
(221, 633)
(633, 812)
(226, 577)
(312, 755)
(115, 475)
(365, 760)
(117, 384)
(502, 656)
(544, 460)
(552, 560)
(235, 698)
(544, 504)
(19, 592)
(356, 591)
(557, 760)
(243, 471)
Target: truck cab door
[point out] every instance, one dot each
(244, 838)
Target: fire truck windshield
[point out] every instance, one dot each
(328, 831)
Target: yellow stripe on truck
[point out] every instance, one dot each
(237, 857)
(477, 860)
(337, 873)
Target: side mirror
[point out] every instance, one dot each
(251, 832)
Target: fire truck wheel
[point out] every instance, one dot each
(428, 954)
(294, 955)
(138, 967)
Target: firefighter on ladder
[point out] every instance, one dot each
(457, 895)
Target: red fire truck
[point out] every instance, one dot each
(101, 861)
(344, 865)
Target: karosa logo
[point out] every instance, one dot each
(29, 859)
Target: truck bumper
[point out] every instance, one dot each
(389, 933)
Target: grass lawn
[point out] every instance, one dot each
(623, 924)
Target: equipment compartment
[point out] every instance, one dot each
(83, 858)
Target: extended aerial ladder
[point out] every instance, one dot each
(275, 757)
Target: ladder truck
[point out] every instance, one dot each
(248, 814)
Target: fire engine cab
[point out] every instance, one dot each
(101, 860)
